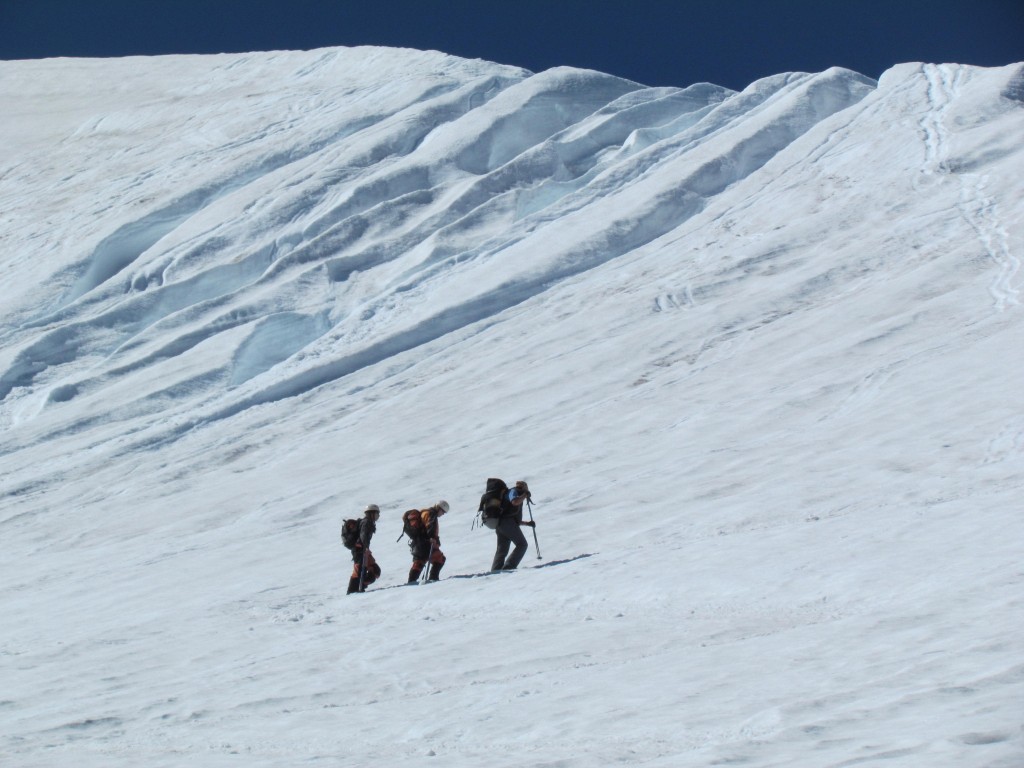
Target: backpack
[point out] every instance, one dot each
(492, 503)
(350, 533)
(413, 525)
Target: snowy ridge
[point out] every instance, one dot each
(755, 353)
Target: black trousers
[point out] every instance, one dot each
(509, 532)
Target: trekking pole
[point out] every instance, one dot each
(426, 568)
(362, 570)
(529, 508)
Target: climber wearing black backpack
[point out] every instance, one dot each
(356, 536)
(493, 503)
(501, 510)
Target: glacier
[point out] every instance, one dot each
(754, 352)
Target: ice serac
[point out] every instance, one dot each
(462, 167)
(635, 197)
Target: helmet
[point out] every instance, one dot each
(521, 485)
(372, 508)
(442, 505)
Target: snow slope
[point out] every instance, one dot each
(757, 354)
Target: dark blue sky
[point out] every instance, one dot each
(656, 42)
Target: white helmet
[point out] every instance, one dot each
(372, 508)
(442, 505)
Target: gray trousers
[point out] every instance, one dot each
(509, 532)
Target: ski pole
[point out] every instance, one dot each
(529, 508)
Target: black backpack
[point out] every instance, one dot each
(350, 533)
(493, 504)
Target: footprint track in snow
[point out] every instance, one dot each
(982, 213)
(977, 208)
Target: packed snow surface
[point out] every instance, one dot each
(758, 355)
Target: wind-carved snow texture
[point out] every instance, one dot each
(414, 201)
(756, 353)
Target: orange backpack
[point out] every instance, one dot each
(413, 525)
